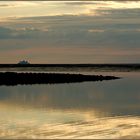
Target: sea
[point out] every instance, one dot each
(86, 110)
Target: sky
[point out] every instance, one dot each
(70, 31)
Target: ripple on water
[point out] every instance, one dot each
(109, 127)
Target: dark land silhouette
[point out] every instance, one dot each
(72, 65)
(14, 78)
(121, 67)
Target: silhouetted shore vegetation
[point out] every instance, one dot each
(14, 78)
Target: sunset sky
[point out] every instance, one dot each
(70, 31)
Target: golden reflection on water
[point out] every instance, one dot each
(19, 122)
(36, 123)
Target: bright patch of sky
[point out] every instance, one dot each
(45, 8)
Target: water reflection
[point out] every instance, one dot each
(111, 97)
(61, 110)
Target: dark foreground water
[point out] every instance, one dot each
(107, 109)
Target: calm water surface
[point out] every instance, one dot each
(107, 109)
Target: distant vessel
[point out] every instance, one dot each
(23, 62)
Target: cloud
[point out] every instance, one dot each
(5, 5)
(96, 30)
(112, 28)
(78, 3)
(75, 30)
(117, 13)
(18, 4)
(23, 33)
